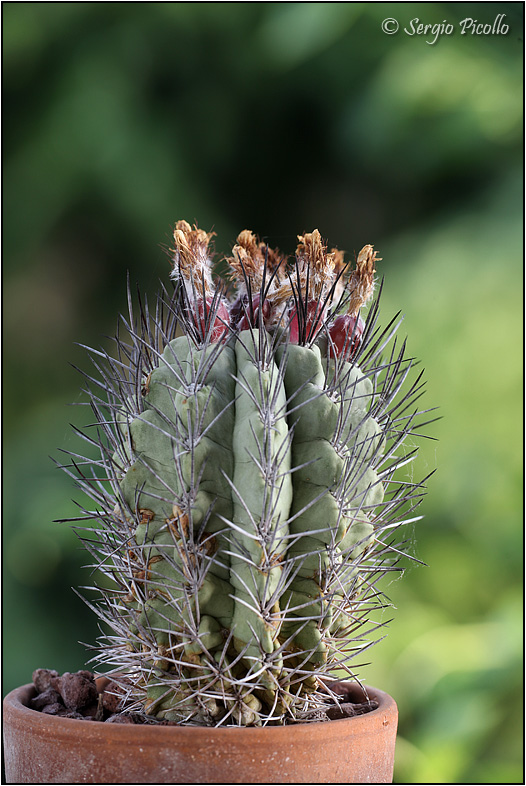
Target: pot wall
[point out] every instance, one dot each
(39, 748)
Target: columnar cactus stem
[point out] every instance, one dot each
(246, 491)
(262, 464)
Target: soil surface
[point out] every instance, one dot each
(75, 695)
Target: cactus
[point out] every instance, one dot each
(249, 433)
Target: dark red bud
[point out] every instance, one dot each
(237, 309)
(313, 322)
(251, 318)
(346, 335)
(221, 319)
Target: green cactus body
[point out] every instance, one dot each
(244, 507)
(182, 448)
(252, 419)
(262, 494)
(326, 517)
(202, 443)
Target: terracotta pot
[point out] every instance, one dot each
(40, 748)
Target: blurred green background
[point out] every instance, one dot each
(119, 119)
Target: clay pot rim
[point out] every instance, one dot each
(18, 698)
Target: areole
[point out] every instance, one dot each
(39, 748)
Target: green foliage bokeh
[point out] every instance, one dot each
(121, 118)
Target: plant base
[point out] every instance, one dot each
(40, 748)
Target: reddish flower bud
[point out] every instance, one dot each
(346, 335)
(251, 318)
(221, 319)
(313, 322)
